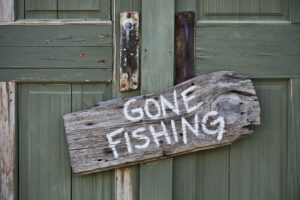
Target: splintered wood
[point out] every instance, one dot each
(204, 112)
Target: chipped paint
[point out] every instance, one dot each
(82, 55)
(129, 50)
(102, 35)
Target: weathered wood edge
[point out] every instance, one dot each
(7, 141)
(257, 122)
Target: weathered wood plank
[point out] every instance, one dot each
(223, 95)
(121, 6)
(7, 11)
(184, 36)
(295, 14)
(56, 35)
(129, 50)
(56, 75)
(56, 57)
(7, 141)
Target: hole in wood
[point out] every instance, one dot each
(89, 123)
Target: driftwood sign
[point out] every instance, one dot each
(205, 112)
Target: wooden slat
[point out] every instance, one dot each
(56, 57)
(185, 171)
(36, 9)
(44, 168)
(157, 72)
(56, 75)
(258, 164)
(56, 35)
(98, 185)
(121, 6)
(251, 53)
(7, 141)
(293, 141)
(7, 11)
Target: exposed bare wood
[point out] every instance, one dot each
(184, 26)
(123, 185)
(7, 11)
(7, 140)
(129, 50)
(205, 112)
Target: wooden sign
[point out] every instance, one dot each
(205, 112)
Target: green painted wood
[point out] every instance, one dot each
(56, 57)
(56, 75)
(185, 173)
(157, 55)
(156, 180)
(56, 35)
(157, 72)
(187, 5)
(258, 164)
(36, 9)
(293, 141)
(44, 167)
(97, 185)
(243, 10)
(91, 9)
(213, 176)
(295, 14)
(244, 49)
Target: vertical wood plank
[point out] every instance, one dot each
(293, 141)
(7, 141)
(157, 72)
(7, 11)
(134, 171)
(36, 9)
(258, 163)
(212, 174)
(96, 185)
(44, 167)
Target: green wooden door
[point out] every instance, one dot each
(71, 66)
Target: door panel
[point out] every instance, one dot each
(258, 167)
(44, 166)
(98, 185)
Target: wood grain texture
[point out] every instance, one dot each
(157, 72)
(129, 51)
(293, 179)
(56, 75)
(44, 167)
(134, 171)
(97, 185)
(258, 164)
(243, 49)
(243, 10)
(7, 141)
(56, 57)
(7, 11)
(56, 35)
(232, 96)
